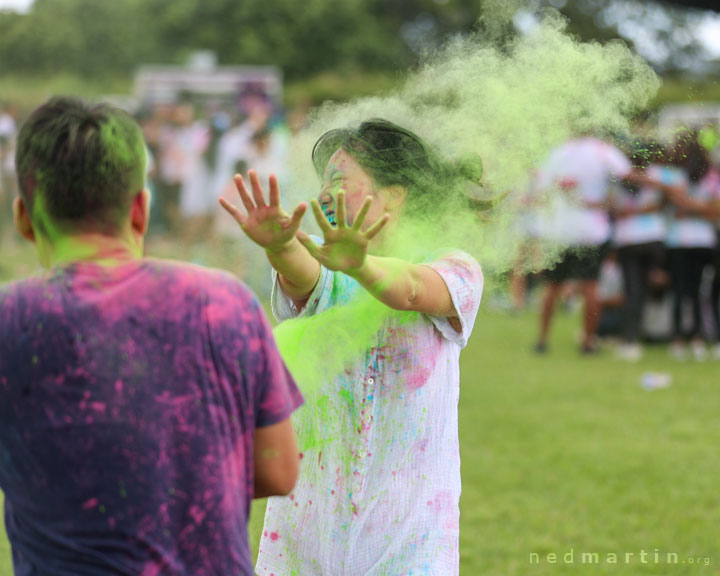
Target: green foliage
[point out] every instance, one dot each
(98, 38)
(679, 90)
(337, 86)
(29, 91)
(85, 37)
(93, 38)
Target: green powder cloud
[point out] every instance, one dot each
(507, 101)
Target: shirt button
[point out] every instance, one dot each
(371, 380)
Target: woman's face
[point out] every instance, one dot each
(344, 173)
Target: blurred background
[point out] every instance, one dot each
(220, 86)
(571, 443)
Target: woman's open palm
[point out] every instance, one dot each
(268, 225)
(345, 247)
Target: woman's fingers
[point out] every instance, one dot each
(256, 189)
(340, 212)
(373, 231)
(244, 194)
(234, 211)
(311, 247)
(297, 216)
(320, 217)
(274, 191)
(362, 213)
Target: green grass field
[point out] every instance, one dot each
(565, 454)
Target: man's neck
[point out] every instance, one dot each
(95, 248)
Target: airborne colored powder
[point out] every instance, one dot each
(318, 348)
(507, 102)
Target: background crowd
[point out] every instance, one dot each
(646, 267)
(598, 220)
(580, 439)
(194, 146)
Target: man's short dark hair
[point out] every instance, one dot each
(79, 166)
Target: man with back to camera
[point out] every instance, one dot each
(143, 403)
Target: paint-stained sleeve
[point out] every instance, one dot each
(277, 396)
(464, 280)
(321, 298)
(617, 163)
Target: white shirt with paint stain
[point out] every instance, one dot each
(640, 228)
(380, 499)
(687, 230)
(577, 176)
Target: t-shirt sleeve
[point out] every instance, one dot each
(464, 279)
(618, 164)
(277, 395)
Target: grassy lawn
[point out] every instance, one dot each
(564, 454)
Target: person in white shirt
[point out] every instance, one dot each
(8, 126)
(381, 496)
(691, 238)
(264, 151)
(580, 170)
(639, 235)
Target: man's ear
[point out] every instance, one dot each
(140, 212)
(395, 196)
(22, 220)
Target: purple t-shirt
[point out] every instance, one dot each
(128, 401)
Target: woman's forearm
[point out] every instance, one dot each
(404, 286)
(298, 271)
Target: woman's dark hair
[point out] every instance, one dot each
(395, 156)
(687, 153)
(83, 162)
(644, 153)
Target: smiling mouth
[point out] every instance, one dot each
(330, 215)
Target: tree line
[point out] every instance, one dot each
(96, 38)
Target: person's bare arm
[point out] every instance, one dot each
(276, 460)
(271, 228)
(396, 283)
(298, 272)
(614, 302)
(678, 195)
(596, 205)
(640, 178)
(649, 209)
(405, 286)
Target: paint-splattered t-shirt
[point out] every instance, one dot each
(128, 400)
(381, 498)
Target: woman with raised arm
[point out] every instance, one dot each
(382, 497)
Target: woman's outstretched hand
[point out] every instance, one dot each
(345, 247)
(268, 225)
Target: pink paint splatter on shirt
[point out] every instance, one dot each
(152, 568)
(142, 389)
